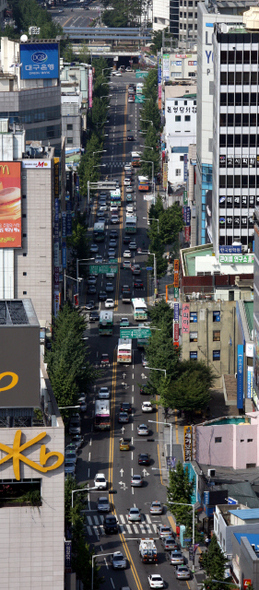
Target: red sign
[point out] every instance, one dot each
(185, 318)
(176, 279)
(176, 332)
(187, 233)
(246, 583)
(10, 205)
(176, 265)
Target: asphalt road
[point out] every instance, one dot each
(101, 452)
(72, 14)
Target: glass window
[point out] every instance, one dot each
(69, 127)
(223, 77)
(193, 336)
(216, 355)
(238, 77)
(231, 77)
(70, 140)
(193, 355)
(218, 439)
(187, 118)
(216, 335)
(177, 118)
(178, 172)
(216, 316)
(193, 316)
(223, 56)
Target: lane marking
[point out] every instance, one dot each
(90, 442)
(112, 583)
(89, 456)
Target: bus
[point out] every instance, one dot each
(139, 88)
(102, 415)
(131, 224)
(99, 231)
(143, 183)
(106, 323)
(140, 312)
(115, 197)
(124, 351)
(135, 159)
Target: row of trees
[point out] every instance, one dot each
(185, 385)
(164, 228)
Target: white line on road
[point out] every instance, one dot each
(89, 530)
(132, 491)
(89, 456)
(131, 455)
(96, 520)
(132, 399)
(112, 583)
(133, 376)
(128, 529)
(131, 471)
(105, 561)
(132, 426)
(122, 519)
(132, 388)
(90, 442)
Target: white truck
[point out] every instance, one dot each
(148, 551)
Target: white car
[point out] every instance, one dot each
(129, 189)
(127, 181)
(104, 393)
(110, 275)
(109, 303)
(129, 209)
(114, 208)
(100, 482)
(143, 430)
(155, 581)
(127, 254)
(134, 515)
(147, 407)
(115, 73)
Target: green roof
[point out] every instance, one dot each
(249, 310)
(191, 253)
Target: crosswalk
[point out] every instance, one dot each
(94, 525)
(118, 163)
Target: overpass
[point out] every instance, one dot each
(109, 35)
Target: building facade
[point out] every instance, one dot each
(180, 132)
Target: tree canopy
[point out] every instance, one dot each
(180, 491)
(214, 564)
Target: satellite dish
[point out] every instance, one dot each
(24, 38)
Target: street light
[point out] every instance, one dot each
(171, 433)
(149, 147)
(155, 289)
(75, 492)
(153, 368)
(153, 219)
(68, 407)
(77, 280)
(147, 121)
(103, 70)
(77, 271)
(99, 152)
(94, 557)
(153, 183)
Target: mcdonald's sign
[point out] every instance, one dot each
(10, 205)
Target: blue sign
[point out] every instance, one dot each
(240, 371)
(64, 255)
(69, 224)
(188, 216)
(149, 268)
(230, 249)
(176, 312)
(64, 226)
(56, 221)
(185, 160)
(249, 382)
(232, 500)
(39, 60)
(68, 554)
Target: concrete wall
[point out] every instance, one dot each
(237, 448)
(224, 532)
(206, 328)
(33, 272)
(246, 560)
(32, 538)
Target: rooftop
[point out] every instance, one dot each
(253, 538)
(17, 312)
(248, 514)
(189, 255)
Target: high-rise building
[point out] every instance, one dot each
(235, 132)
(30, 89)
(209, 13)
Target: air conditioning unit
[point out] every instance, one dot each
(211, 472)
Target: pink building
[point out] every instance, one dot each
(228, 442)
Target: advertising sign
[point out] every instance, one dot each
(19, 366)
(250, 371)
(185, 318)
(187, 233)
(236, 259)
(165, 174)
(68, 556)
(176, 292)
(35, 164)
(176, 332)
(10, 205)
(166, 66)
(64, 255)
(187, 443)
(240, 372)
(176, 312)
(247, 582)
(185, 160)
(64, 225)
(188, 216)
(39, 60)
(56, 300)
(90, 89)
(230, 249)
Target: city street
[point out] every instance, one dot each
(101, 452)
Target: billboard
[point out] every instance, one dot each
(90, 89)
(10, 205)
(240, 376)
(19, 366)
(39, 60)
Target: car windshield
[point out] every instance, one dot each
(118, 557)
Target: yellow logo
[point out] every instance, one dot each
(14, 380)
(4, 168)
(15, 453)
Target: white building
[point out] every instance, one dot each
(187, 20)
(179, 132)
(235, 132)
(179, 66)
(161, 14)
(235, 520)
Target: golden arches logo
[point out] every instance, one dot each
(3, 168)
(13, 383)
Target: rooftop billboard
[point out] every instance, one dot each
(39, 60)
(10, 205)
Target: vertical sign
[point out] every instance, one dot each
(64, 225)
(90, 88)
(68, 555)
(240, 373)
(176, 312)
(166, 66)
(69, 219)
(56, 236)
(188, 216)
(165, 174)
(159, 81)
(185, 318)
(176, 324)
(249, 381)
(187, 437)
(176, 272)
(185, 159)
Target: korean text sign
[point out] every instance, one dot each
(10, 205)
(39, 60)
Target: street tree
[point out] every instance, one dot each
(161, 354)
(214, 563)
(162, 313)
(150, 84)
(190, 392)
(171, 223)
(180, 490)
(78, 242)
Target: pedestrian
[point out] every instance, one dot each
(207, 542)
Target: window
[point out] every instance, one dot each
(216, 316)
(177, 118)
(24, 274)
(176, 103)
(193, 355)
(70, 140)
(178, 172)
(249, 440)
(193, 317)
(24, 235)
(216, 335)
(193, 336)
(24, 292)
(69, 127)
(187, 118)
(218, 439)
(216, 355)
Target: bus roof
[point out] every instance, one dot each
(143, 178)
(136, 154)
(102, 406)
(139, 302)
(131, 219)
(124, 342)
(106, 315)
(99, 226)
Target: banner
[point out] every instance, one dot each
(90, 89)
(185, 318)
(240, 376)
(10, 205)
